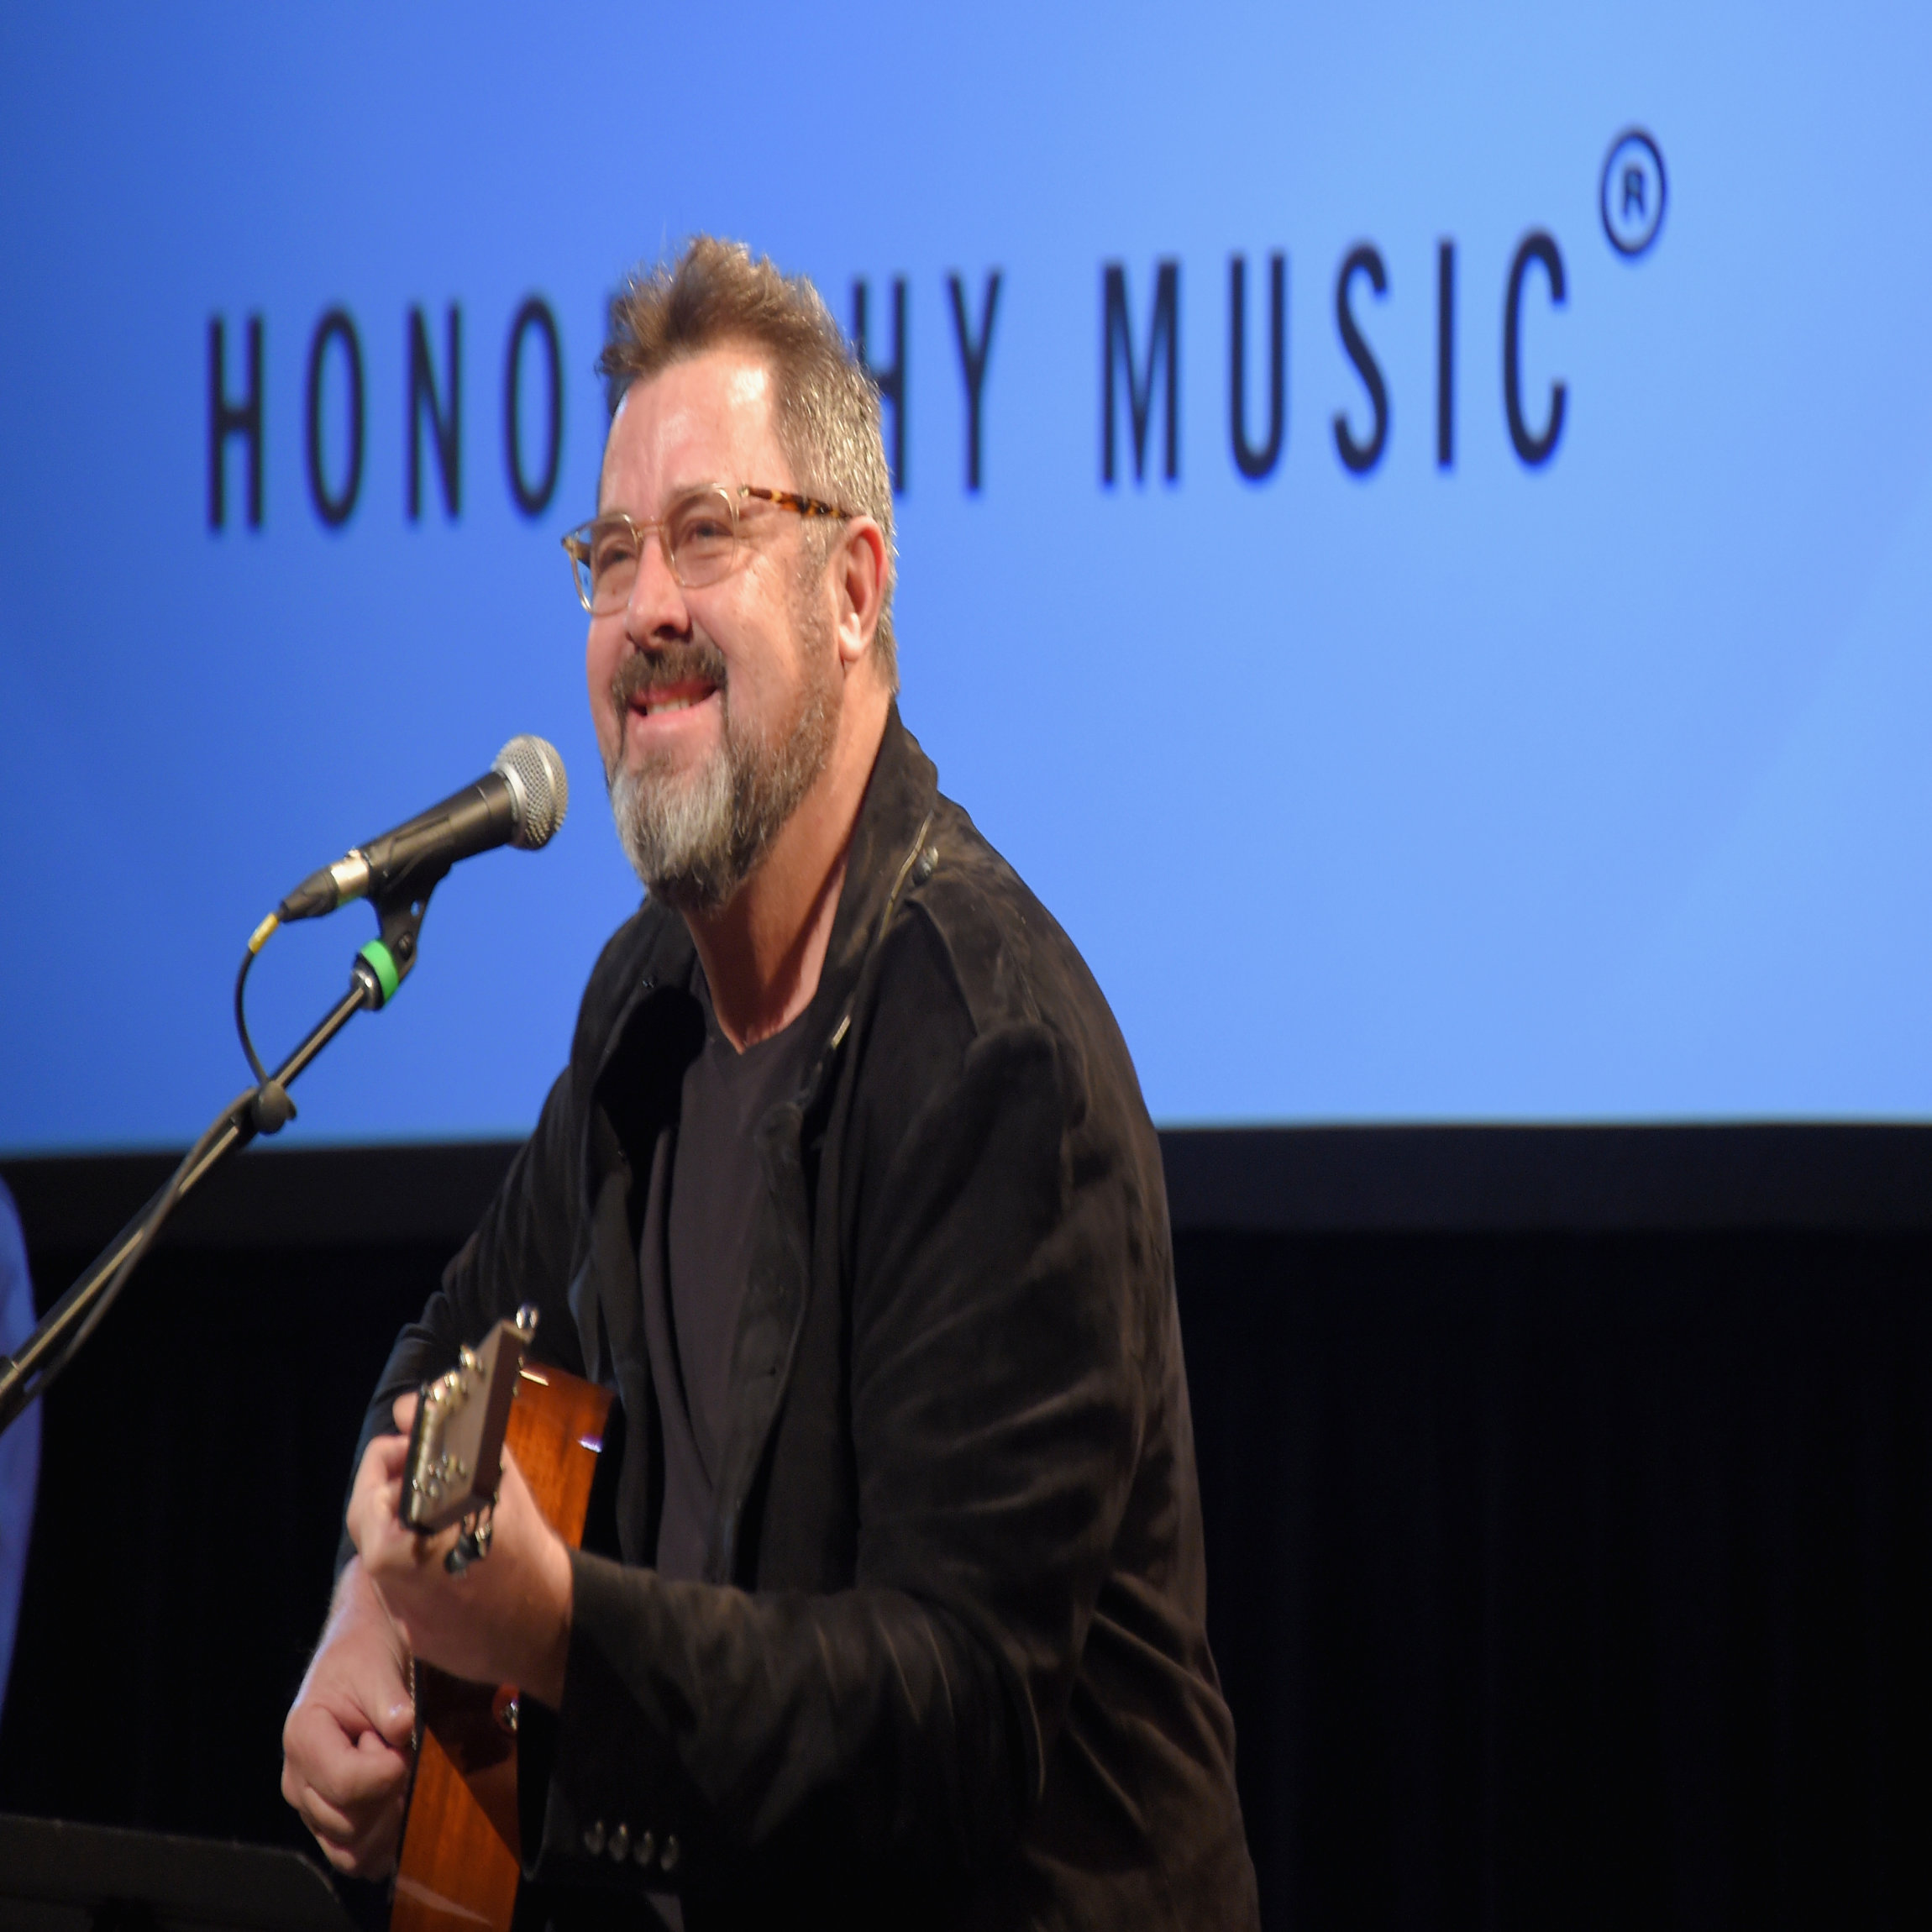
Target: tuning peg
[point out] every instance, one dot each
(472, 1543)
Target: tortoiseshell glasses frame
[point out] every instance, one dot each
(699, 537)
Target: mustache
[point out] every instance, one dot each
(674, 663)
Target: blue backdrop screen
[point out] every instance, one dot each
(1415, 529)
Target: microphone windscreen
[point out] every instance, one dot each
(535, 772)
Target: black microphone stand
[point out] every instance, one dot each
(380, 967)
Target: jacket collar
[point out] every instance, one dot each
(894, 823)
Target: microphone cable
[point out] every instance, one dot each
(258, 939)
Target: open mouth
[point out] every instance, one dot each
(664, 700)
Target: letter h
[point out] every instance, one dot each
(227, 419)
(890, 382)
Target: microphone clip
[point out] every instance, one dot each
(387, 961)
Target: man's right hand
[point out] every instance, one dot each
(346, 1750)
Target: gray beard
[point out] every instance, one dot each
(695, 837)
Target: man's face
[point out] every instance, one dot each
(716, 708)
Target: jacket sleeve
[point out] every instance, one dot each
(995, 1414)
(520, 1251)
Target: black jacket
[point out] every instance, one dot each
(949, 1665)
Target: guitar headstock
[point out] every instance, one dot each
(456, 1446)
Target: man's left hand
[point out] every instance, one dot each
(504, 1620)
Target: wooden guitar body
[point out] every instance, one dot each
(462, 1850)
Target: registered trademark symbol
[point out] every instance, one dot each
(1632, 193)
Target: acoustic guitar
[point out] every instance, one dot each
(462, 1849)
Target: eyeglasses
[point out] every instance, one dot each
(699, 534)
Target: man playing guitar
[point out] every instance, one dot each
(849, 1194)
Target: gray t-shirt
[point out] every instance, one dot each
(695, 1255)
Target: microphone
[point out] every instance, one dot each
(521, 802)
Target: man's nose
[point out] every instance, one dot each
(657, 607)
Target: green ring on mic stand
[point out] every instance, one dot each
(382, 964)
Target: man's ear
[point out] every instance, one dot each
(858, 573)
